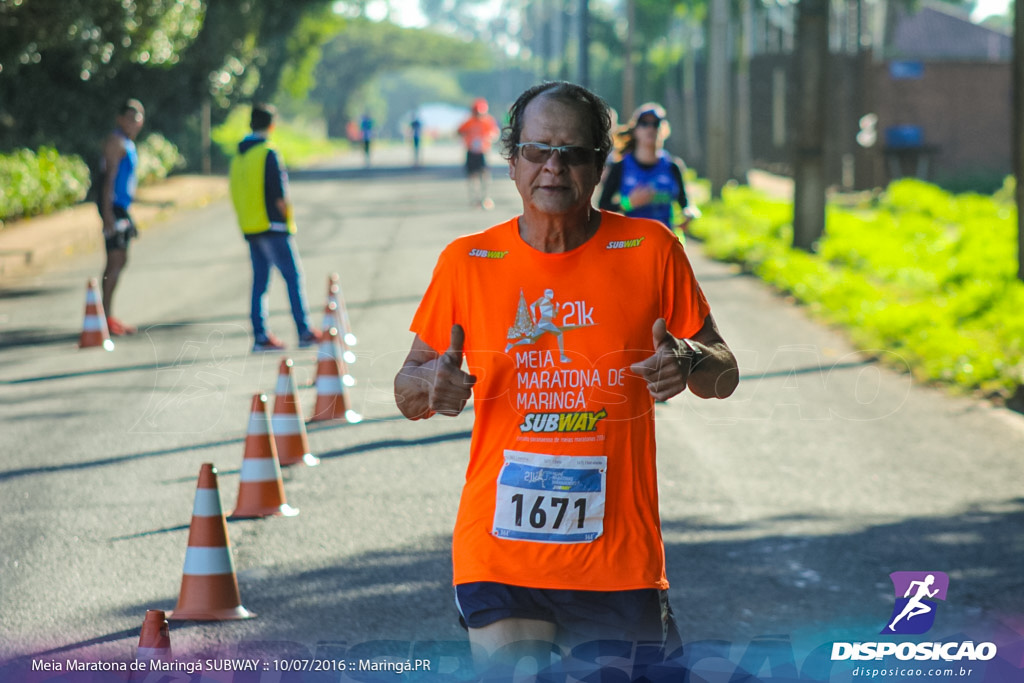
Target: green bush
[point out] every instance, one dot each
(158, 157)
(44, 181)
(40, 182)
(917, 271)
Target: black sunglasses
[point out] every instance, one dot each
(648, 123)
(539, 153)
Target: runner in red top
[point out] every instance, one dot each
(572, 322)
(479, 132)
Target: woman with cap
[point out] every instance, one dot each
(647, 182)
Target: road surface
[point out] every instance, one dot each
(785, 508)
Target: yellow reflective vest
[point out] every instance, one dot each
(246, 181)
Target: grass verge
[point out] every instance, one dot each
(916, 272)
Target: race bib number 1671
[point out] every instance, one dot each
(550, 498)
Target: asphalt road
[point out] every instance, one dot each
(785, 508)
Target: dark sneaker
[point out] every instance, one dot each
(269, 343)
(311, 338)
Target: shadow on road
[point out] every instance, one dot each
(398, 443)
(6, 292)
(736, 594)
(766, 581)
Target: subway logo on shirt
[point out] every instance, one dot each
(583, 421)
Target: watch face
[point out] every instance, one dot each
(695, 352)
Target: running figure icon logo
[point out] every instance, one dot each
(540, 318)
(916, 592)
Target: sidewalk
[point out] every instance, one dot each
(28, 245)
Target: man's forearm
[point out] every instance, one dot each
(716, 374)
(412, 391)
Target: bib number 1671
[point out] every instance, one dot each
(550, 499)
(538, 513)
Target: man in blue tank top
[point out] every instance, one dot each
(118, 179)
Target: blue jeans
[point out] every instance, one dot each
(276, 249)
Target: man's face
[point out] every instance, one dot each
(553, 186)
(131, 123)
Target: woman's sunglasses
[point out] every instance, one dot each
(539, 153)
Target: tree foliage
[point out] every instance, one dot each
(365, 49)
(66, 64)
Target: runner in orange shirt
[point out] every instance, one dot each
(478, 132)
(558, 538)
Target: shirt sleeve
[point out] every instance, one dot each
(685, 306)
(677, 173)
(437, 311)
(275, 185)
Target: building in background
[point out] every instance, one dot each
(925, 93)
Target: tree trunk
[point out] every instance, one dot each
(742, 108)
(1018, 129)
(628, 74)
(691, 129)
(809, 162)
(718, 97)
(583, 64)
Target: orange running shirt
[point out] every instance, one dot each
(479, 132)
(561, 489)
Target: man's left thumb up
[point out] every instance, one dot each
(660, 333)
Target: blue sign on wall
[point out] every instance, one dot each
(906, 70)
(904, 137)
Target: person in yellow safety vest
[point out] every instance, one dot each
(259, 191)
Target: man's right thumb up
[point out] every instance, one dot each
(455, 346)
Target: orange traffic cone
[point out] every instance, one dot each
(286, 423)
(260, 489)
(334, 294)
(94, 328)
(333, 319)
(155, 638)
(209, 587)
(331, 379)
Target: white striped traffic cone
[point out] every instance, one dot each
(331, 379)
(94, 327)
(155, 638)
(260, 489)
(333, 319)
(287, 424)
(334, 294)
(209, 587)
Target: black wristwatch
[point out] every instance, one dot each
(693, 352)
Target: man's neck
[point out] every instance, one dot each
(555, 234)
